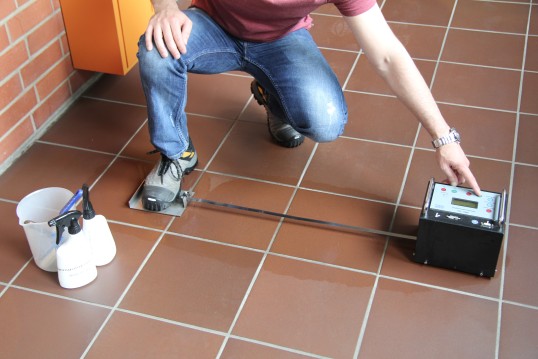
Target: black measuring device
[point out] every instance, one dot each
(459, 230)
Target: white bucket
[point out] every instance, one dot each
(34, 211)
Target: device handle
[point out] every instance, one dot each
(427, 197)
(502, 211)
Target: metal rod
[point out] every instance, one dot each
(188, 196)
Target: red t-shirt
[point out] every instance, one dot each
(266, 20)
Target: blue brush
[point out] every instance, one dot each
(72, 201)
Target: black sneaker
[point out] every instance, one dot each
(282, 132)
(163, 183)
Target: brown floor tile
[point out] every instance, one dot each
(398, 263)
(528, 96)
(254, 113)
(249, 151)
(307, 307)
(531, 61)
(45, 165)
(527, 150)
(330, 245)
(130, 336)
(491, 16)
(232, 226)
(239, 349)
(524, 206)
(132, 246)
(422, 42)
(14, 248)
(97, 125)
(519, 330)
(379, 118)
(477, 86)
(33, 323)
(126, 88)
(342, 210)
(434, 12)
(193, 282)
(444, 325)
(521, 266)
(341, 62)
(223, 101)
(491, 176)
(365, 79)
(533, 26)
(328, 9)
(406, 221)
(332, 32)
(484, 48)
(485, 133)
(206, 134)
(372, 170)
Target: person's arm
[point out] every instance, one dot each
(169, 28)
(394, 64)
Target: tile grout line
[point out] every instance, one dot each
(404, 180)
(511, 187)
(146, 259)
(369, 305)
(10, 283)
(266, 253)
(222, 142)
(126, 290)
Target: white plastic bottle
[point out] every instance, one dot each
(98, 232)
(73, 256)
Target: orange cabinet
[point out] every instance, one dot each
(103, 34)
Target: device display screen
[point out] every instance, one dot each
(464, 203)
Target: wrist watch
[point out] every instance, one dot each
(453, 136)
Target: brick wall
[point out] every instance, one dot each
(37, 79)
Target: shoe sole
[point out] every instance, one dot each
(259, 99)
(157, 206)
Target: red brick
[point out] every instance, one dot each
(4, 40)
(18, 110)
(21, 2)
(56, 4)
(9, 91)
(45, 33)
(12, 59)
(65, 44)
(15, 139)
(60, 73)
(42, 63)
(28, 18)
(6, 8)
(52, 104)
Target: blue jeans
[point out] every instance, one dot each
(303, 89)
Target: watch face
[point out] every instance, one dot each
(456, 135)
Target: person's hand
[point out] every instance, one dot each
(170, 29)
(455, 165)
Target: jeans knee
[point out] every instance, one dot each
(153, 65)
(326, 126)
(327, 134)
